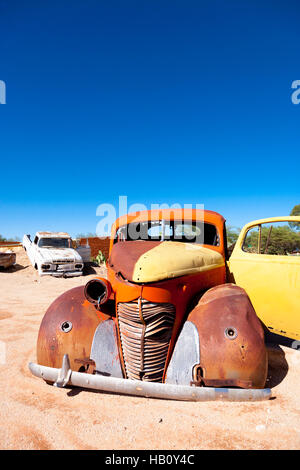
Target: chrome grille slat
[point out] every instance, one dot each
(149, 326)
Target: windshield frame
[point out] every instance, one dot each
(68, 242)
(172, 224)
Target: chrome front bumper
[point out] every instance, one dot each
(61, 273)
(65, 376)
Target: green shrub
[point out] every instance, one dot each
(99, 259)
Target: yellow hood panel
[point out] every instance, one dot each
(173, 259)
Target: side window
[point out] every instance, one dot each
(278, 238)
(251, 240)
(36, 239)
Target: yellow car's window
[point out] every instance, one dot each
(277, 238)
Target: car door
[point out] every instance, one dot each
(31, 250)
(266, 263)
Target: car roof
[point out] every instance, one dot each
(268, 220)
(53, 235)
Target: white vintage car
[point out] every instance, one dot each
(52, 253)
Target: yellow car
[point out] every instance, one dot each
(266, 263)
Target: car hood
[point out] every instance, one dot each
(59, 254)
(150, 261)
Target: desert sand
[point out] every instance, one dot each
(34, 415)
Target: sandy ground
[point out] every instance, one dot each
(34, 415)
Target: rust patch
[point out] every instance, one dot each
(124, 256)
(145, 330)
(7, 259)
(231, 337)
(82, 318)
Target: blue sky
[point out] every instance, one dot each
(162, 101)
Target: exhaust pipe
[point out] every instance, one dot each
(97, 291)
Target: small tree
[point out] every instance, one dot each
(295, 211)
(232, 235)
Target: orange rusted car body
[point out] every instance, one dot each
(153, 289)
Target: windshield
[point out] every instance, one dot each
(175, 230)
(55, 243)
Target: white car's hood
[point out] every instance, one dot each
(54, 255)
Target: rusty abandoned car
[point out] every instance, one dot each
(170, 320)
(7, 259)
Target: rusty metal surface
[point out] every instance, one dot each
(68, 327)
(222, 383)
(86, 361)
(97, 291)
(231, 338)
(8, 244)
(178, 292)
(147, 319)
(124, 256)
(145, 332)
(7, 259)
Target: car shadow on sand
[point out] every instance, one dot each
(278, 366)
(14, 268)
(89, 269)
(93, 268)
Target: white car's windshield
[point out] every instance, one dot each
(55, 243)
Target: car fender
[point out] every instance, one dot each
(68, 327)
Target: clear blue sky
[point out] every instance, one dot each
(160, 100)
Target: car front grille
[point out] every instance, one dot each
(145, 330)
(62, 261)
